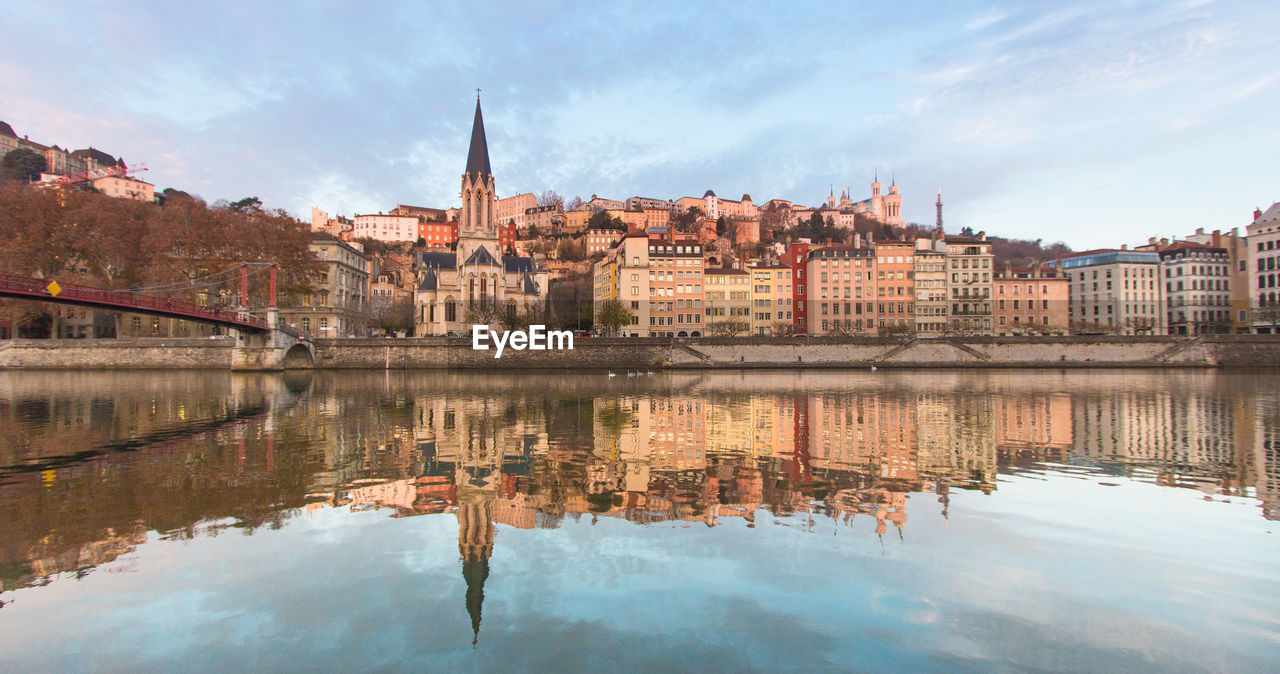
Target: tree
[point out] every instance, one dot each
(613, 315)
(571, 251)
(23, 164)
(575, 204)
(730, 328)
(391, 317)
(246, 205)
(551, 198)
(602, 220)
(720, 227)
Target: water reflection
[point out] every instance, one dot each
(93, 462)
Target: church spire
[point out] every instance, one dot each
(478, 155)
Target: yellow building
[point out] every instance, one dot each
(124, 187)
(727, 301)
(770, 299)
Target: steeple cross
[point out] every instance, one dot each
(477, 92)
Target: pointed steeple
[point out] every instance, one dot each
(478, 155)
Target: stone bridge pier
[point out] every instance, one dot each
(274, 350)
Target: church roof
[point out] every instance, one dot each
(478, 155)
(527, 285)
(512, 263)
(437, 260)
(481, 256)
(429, 281)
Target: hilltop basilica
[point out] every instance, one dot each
(475, 279)
(886, 208)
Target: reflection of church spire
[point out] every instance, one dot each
(475, 545)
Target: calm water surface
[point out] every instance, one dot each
(1043, 520)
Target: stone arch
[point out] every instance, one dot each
(682, 333)
(299, 357)
(695, 333)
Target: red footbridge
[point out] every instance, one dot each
(23, 287)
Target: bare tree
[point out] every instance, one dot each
(730, 328)
(551, 198)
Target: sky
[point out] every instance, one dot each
(1092, 123)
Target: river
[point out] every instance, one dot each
(764, 520)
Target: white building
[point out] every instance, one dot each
(1264, 248)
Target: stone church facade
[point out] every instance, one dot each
(475, 283)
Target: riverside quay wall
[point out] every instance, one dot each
(641, 354)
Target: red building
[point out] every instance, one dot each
(438, 234)
(795, 257)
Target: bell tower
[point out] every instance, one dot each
(476, 217)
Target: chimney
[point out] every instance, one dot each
(1151, 241)
(1124, 246)
(982, 236)
(1164, 242)
(1199, 231)
(1217, 239)
(1257, 213)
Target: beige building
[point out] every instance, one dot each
(1238, 277)
(624, 276)
(124, 187)
(513, 209)
(728, 300)
(1115, 291)
(339, 305)
(895, 286)
(600, 241)
(389, 228)
(932, 306)
(969, 265)
(1031, 301)
(1197, 288)
(1264, 268)
(841, 290)
(771, 307)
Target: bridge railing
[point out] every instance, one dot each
(38, 289)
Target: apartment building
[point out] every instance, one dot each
(124, 187)
(675, 286)
(895, 286)
(932, 306)
(1115, 291)
(728, 301)
(600, 241)
(1264, 249)
(1031, 301)
(841, 290)
(386, 227)
(1237, 247)
(624, 276)
(1197, 288)
(771, 299)
(513, 209)
(339, 305)
(969, 265)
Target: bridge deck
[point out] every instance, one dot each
(123, 300)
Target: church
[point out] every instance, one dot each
(475, 282)
(886, 208)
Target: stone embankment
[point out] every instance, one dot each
(623, 354)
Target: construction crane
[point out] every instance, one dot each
(91, 175)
